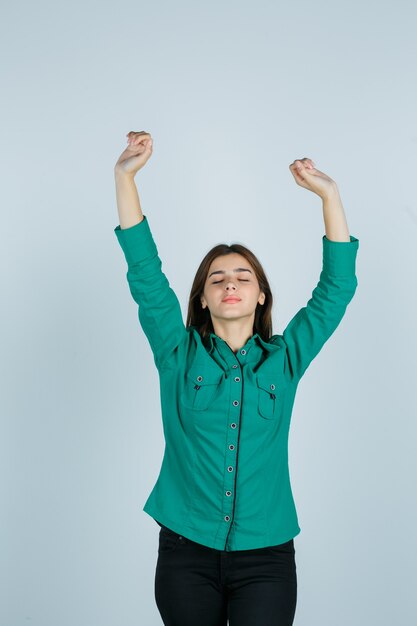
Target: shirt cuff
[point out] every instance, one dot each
(136, 241)
(339, 256)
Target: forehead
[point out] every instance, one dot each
(229, 262)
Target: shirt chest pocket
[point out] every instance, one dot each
(201, 388)
(269, 395)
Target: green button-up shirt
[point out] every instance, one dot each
(224, 480)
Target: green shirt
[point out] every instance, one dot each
(224, 480)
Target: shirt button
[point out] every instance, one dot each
(230, 468)
(227, 518)
(233, 425)
(199, 378)
(234, 366)
(228, 493)
(235, 402)
(237, 379)
(272, 386)
(243, 352)
(231, 447)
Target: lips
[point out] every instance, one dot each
(231, 300)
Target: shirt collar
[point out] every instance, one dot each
(269, 347)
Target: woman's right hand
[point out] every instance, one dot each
(138, 151)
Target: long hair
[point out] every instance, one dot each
(201, 318)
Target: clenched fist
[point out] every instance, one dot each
(138, 151)
(309, 177)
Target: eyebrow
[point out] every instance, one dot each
(238, 269)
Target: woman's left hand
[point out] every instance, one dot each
(309, 177)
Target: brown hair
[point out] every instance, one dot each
(201, 318)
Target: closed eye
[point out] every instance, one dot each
(244, 280)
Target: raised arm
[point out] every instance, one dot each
(132, 159)
(159, 310)
(313, 324)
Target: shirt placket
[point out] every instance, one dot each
(235, 363)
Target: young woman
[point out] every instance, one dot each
(227, 386)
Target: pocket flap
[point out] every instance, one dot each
(267, 382)
(200, 375)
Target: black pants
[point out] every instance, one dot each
(200, 586)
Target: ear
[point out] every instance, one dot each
(261, 298)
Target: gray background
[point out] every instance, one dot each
(232, 93)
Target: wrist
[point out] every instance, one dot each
(331, 193)
(122, 175)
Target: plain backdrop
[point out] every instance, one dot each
(232, 92)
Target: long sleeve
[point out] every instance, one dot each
(159, 310)
(313, 324)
